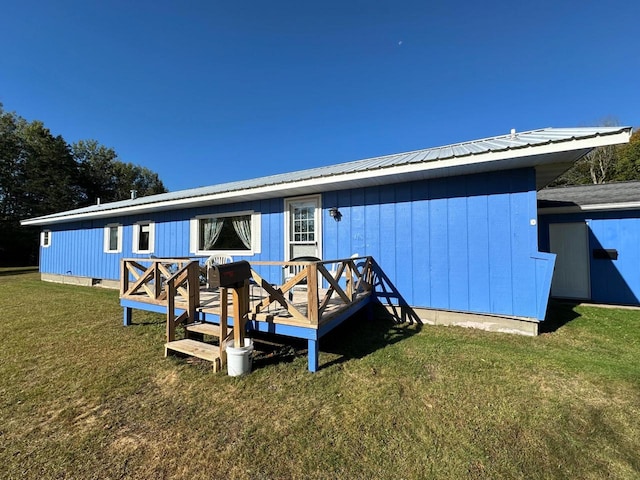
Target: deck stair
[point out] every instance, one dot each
(185, 282)
(195, 346)
(203, 328)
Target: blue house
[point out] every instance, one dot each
(595, 232)
(454, 228)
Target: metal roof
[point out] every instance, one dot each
(490, 154)
(607, 196)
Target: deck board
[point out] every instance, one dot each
(193, 348)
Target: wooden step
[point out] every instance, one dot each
(204, 328)
(195, 349)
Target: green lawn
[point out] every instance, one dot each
(82, 397)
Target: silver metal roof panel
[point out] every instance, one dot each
(473, 155)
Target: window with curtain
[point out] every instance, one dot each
(227, 233)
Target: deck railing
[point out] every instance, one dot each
(346, 281)
(327, 286)
(184, 285)
(163, 281)
(145, 279)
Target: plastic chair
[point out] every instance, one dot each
(290, 271)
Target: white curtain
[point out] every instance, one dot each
(242, 226)
(211, 228)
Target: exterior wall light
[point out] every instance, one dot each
(335, 213)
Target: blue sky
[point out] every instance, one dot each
(205, 92)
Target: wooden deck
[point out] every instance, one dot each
(313, 298)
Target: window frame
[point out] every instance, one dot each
(256, 226)
(45, 238)
(107, 238)
(137, 227)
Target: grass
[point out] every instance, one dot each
(81, 396)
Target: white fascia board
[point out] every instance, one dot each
(472, 163)
(598, 207)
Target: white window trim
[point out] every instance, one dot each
(106, 238)
(256, 239)
(136, 236)
(43, 237)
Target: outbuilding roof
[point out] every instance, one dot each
(549, 150)
(606, 196)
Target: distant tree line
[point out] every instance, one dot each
(614, 163)
(42, 174)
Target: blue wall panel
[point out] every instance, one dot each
(438, 245)
(403, 237)
(499, 242)
(458, 243)
(458, 221)
(421, 244)
(478, 223)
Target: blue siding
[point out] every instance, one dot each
(612, 281)
(79, 251)
(458, 243)
(464, 243)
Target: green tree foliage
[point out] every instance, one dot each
(628, 166)
(103, 176)
(41, 174)
(613, 163)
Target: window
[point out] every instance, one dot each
(233, 233)
(143, 237)
(113, 238)
(45, 238)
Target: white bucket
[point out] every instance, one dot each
(239, 359)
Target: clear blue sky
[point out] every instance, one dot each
(205, 92)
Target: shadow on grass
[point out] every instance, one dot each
(356, 338)
(559, 314)
(6, 271)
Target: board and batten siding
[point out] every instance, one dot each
(612, 281)
(465, 243)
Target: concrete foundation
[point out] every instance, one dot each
(82, 281)
(492, 323)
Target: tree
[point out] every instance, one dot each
(97, 176)
(9, 157)
(105, 177)
(602, 163)
(598, 166)
(628, 166)
(41, 174)
(48, 177)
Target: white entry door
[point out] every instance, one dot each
(570, 243)
(303, 234)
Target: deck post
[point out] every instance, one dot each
(240, 295)
(312, 293)
(313, 354)
(128, 314)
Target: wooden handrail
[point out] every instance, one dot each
(185, 283)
